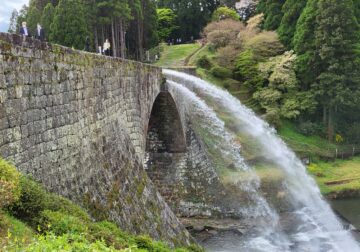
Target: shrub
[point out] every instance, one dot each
(221, 38)
(309, 128)
(31, 201)
(221, 72)
(227, 55)
(224, 32)
(60, 223)
(246, 70)
(204, 62)
(9, 184)
(144, 242)
(265, 45)
(111, 234)
(273, 117)
(54, 203)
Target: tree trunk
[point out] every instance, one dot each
(122, 39)
(140, 39)
(331, 124)
(113, 37)
(324, 115)
(96, 39)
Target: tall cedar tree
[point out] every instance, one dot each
(304, 45)
(336, 40)
(273, 14)
(69, 27)
(292, 10)
(357, 9)
(47, 18)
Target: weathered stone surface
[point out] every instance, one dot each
(77, 122)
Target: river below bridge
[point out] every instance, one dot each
(349, 209)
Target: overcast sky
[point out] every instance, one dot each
(6, 7)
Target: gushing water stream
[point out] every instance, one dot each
(314, 226)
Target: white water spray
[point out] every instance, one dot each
(318, 228)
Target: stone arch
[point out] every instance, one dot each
(166, 149)
(165, 133)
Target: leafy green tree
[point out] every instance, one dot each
(292, 10)
(166, 22)
(273, 14)
(192, 15)
(47, 18)
(224, 12)
(69, 26)
(337, 42)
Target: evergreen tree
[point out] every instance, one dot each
(150, 21)
(292, 10)
(33, 17)
(357, 9)
(273, 14)
(13, 21)
(69, 27)
(304, 45)
(47, 18)
(336, 39)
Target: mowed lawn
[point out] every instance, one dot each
(175, 55)
(337, 177)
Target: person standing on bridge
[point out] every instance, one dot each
(39, 33)
(107, 47)
(24, 30)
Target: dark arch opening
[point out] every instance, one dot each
(165, 131)
(165, 154)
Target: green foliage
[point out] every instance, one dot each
(352, 133)
(61, 223)
(13, 231)
(221, 72)
(310, 129)
(191, 17)
(204, 62)
(9, 184)
(33, 18)
(67, 242)
(167, 23)
(31, 202)
(292, 10)
(47, 18)
(265, 45)
(177, 54)
(69, 27)
(273, 14)
(246, 70)
(223, 13)
(111, 234)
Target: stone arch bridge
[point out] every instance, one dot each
(84, 125)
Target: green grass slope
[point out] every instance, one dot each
(176, 55)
